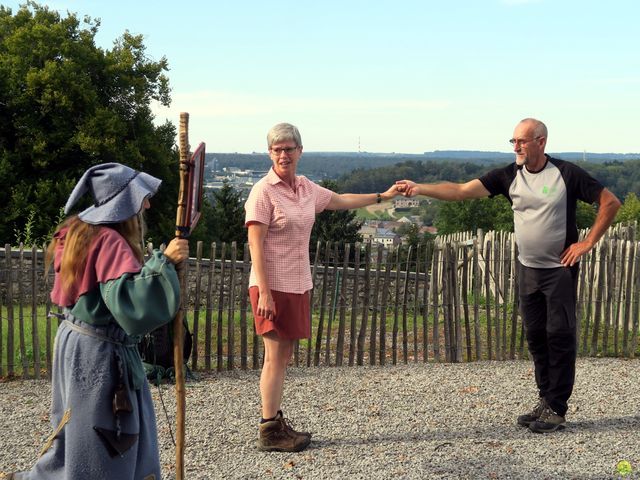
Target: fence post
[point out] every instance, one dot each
(434, 287)
(196, 305)
(609, 284)
(496, 301)
(628, 296)
(405, 300)
(599, 292)
(376, 307)
(209, 314)
(354, 303)
(506, 265)
(10, 326)
(342, 301)
(592, 265)
(383, 308)
(323, 300)
(311, 300)
(465, 301)
(487, 302)
(34, 311)
(1, 336)
(219, 350)
(231, 321)
(244, 295)
(335, 275)
(21, 301)
(476, 297)
(365, 307)
(429, 250)
(636, 302)
(396, 306)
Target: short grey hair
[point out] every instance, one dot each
(539, 128)
(284, 132)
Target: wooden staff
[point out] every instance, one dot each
(178, 327)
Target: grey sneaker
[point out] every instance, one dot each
(549, 421)
(528, 418)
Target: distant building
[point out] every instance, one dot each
(386, 237)
(405, 203)
(367, 232)
(380, 235)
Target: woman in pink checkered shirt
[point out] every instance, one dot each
(280, 213)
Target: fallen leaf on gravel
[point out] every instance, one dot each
(470, 389)
(289, 465)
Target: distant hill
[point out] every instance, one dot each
(335, 164)
(472, 155)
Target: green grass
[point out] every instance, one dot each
(304, 344)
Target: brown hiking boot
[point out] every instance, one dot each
(277, 436)
(288, 426)
(528, 418)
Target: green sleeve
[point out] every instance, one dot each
(144, 301)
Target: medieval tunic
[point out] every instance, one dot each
(107, 308)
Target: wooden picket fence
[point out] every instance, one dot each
(453, 300)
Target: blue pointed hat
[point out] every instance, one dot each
(118, 193)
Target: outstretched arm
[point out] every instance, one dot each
(609, 205)
(443, 191)
(347, 201)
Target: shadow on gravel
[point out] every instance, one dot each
(490, 434)
(607, 423)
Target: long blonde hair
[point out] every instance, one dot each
(78, 239)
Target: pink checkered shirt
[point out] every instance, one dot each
(290, 216)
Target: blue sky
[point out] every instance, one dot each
(391, 76)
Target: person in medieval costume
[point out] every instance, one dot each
(101, 410)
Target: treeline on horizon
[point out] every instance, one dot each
(621, 178)
(327, 165)
(360, 173)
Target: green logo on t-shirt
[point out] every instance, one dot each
(548, 191)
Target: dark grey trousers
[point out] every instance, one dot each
(548, 307)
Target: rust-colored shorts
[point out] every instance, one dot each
(292, 319)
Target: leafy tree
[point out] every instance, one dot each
(469, 215)
(66, 105)
(335, 225)
(224, 221)
(630, 209)
(585, 214)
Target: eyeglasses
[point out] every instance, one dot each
(278, 151)
(522, 141)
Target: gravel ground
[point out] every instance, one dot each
(415, 421)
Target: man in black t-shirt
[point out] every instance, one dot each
(543, 193)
